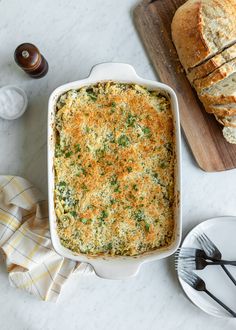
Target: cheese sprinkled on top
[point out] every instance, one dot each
(114, 169)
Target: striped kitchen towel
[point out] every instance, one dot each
(31, 261)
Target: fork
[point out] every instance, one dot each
(199, 263)
(212, 251)
(185, 252)
(198, 284)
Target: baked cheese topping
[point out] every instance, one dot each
(114, 169)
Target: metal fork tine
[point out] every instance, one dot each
(207, 242)
(183, 275)
(187, 280)
(186, 259)
(204, 244)
(184, 264)
(190, 250)
(186, 252)
(206, 239)
(211, 244)
(199, 239)
(185, 255)
(202, 241)
(187, 277)
(195, 276)
(177, 252)
(186, 267)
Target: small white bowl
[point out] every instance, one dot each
(20, 91)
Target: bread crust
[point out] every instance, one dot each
(195, 34)
(186, 26)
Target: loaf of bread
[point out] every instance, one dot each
(204, 34)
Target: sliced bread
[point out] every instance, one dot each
(214, 63)
(222, 110)
(228, 121)
(216, 76)
(221, 94)
(203, 28)
(230, 134)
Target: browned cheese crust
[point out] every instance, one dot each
(114, 170)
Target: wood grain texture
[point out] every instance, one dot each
(203, 133)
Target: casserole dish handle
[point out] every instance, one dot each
(116, 269)
(113, 71)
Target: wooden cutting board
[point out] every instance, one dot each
(203, 133)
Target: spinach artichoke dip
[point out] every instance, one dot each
(114, 169)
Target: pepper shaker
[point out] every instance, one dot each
(29, 58)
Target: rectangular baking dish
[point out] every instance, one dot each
(117, 267)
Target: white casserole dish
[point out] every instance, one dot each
(117, 267)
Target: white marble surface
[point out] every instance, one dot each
(74, 35)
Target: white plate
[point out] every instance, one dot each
(222, 231)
